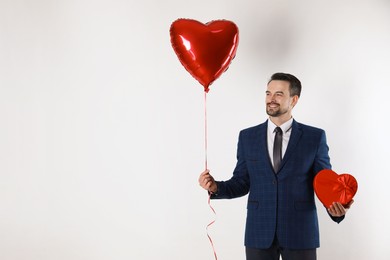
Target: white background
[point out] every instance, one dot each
(101, 135)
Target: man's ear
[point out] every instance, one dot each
(294, 100)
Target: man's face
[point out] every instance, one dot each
(277, 98)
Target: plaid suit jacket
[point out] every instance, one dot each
(281, 203)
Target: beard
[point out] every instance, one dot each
(275, 111)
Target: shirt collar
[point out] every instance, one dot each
(286, 126)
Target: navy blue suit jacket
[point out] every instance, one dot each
(281, 203)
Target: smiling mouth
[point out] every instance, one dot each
(273, 105)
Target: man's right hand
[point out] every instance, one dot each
(207, 182)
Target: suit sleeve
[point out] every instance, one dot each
(238, 184)
(322, 161)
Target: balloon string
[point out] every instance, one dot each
(205, 129)
(205, 162)
(207, 228)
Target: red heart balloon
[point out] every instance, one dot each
(331, 187)
(205, 50)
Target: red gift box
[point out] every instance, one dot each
(332, 187)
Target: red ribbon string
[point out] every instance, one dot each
(205, 130)
(205, 148)
(207, 228)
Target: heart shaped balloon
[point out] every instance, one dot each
(205, 50)
(331, 187)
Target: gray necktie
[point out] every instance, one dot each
(278, 148)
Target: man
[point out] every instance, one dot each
(276, 165)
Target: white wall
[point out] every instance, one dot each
(101, 137)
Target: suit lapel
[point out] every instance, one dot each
(296, 133)
(263, 139)
(260, 144)
(260, 140)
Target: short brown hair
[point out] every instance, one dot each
(295, 84)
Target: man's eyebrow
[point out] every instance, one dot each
(279, 91)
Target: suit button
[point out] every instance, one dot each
(274, 182)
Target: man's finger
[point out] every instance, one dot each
(205, 172)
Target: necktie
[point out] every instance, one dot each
(278, 148)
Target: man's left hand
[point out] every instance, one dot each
(338, 210)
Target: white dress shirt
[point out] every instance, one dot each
(286, 129)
